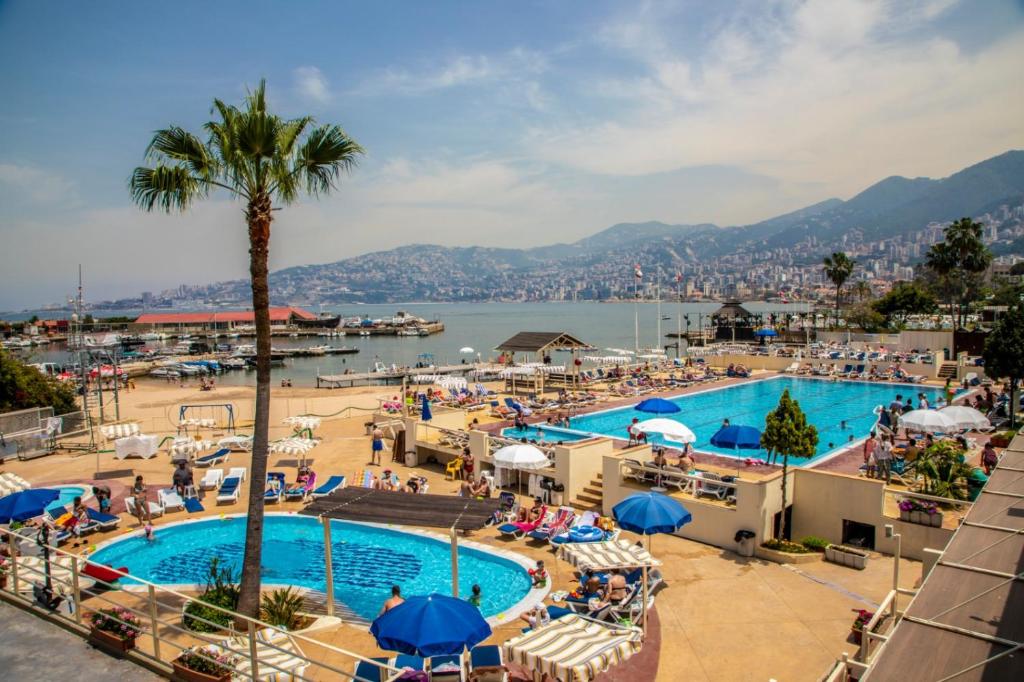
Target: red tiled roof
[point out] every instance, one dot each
(280, 314)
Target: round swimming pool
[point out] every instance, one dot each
(68, 493)
(367, 560)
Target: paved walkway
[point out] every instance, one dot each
(32, 649)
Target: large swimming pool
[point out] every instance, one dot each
(367, 560)
(827, 404)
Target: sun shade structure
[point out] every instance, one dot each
(672, 430)
(605, 556)
(966, 417)
(737, 437)
(385, 506)
(766, 332)
(112, 431)
(539, 342)
(928, 421)
(521, 456)
(183, 447)
(967, 621)
(435, 625)
(657, 406)
(26, 504)
(651, 513)
(293, 446)
(303, 422)
(573, 649)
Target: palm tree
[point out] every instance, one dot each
(261, 159)
(838, 268)
(862, 290)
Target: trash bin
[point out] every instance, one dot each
(745, 540)
(411, 459)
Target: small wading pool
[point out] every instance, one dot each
(367, 560)
(68, 493)
(839, 409)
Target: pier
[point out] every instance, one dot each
(394, 376)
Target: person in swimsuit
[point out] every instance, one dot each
(376, 445)
(395, 600)
(141, 500)
(615, 591)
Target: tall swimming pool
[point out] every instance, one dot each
(367, 560)
(828, 404)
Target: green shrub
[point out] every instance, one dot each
(282, 607)
(786, 546)
(221, 590)
(22, 387)
(814, 543)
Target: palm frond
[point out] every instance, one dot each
(180, 145)
(289, 133)
(327, 152)
(167, 188)
(256, 101)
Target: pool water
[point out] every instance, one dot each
(367, 560)
(544, 434)
(68, 493)
(826, 403)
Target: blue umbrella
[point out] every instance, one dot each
(658, 406)
(27, 504)
(425, 412)
(737, 437)
(650, 513)
(435, 625)
(766, 332)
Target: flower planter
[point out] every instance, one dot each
(781, 557)
(922, 518)
(858, 635)
(111, 643)
(183, 674)
(936, 520)
(846, 556)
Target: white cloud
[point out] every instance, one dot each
(840, 92)
(455, 71)
(311, 84)
(36, 184)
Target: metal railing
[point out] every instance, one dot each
(259, 650)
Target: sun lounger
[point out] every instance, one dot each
(237, 472)
(368, 672)
(170, 499)
(55, 513)
(229, 489)
(193, 505)
(711, 484)
(561, 522)
(486, 664)
(300, 490)
(278, 655)
(519, 529)
(212, 479)
(103, 520)
(446, 668)
(333, 483)
(275, 487)
(218, 457)
(154, 509)
(846, 371)
(793, 368)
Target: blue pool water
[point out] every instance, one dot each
(544, 434)
(68, 493)
(367, 560)
(826, 403)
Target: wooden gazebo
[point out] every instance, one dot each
(540, 345)
(733, 322)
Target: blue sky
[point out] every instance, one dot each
(504, 124)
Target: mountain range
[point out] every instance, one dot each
(891, 208)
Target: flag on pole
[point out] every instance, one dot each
(637, 272)
(679, 277)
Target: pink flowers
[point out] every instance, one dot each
(118, 621)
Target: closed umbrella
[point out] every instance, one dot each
(435, 625)
(928, 421)
(425, 410)
(647, 514)
(737, 437)
(967, 417)
(657, 406)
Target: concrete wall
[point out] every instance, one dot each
(823, 499)
(576, 464)
(904, 341)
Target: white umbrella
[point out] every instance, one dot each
(669, 428)
(967, 417)
(303, 422)
(521, 456)
(293, 446)
(927, 421)
(451, 383)
(466, 349)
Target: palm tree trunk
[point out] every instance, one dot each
(838, 287)
(258, 217)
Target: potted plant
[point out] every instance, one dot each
(920, 511)
(204, 664)
(863, 618)
(847, 556)
(114, 629)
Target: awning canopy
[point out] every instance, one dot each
(594, 556)
(573, 649)
(385, 506)
(539, 342)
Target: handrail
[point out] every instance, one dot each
(149, 612)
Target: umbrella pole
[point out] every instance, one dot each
(650, 539)
(328, 567)
(455, 563)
